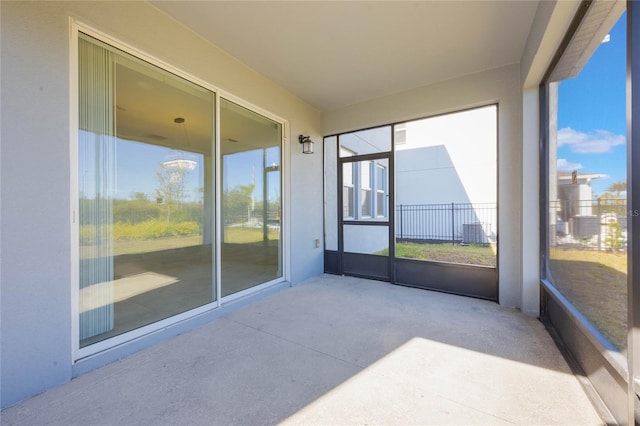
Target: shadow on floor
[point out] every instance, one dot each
(334, 350)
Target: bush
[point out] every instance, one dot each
(88, 234)
(147, 230)
(613, 238)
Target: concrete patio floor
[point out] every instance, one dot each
(333, 350)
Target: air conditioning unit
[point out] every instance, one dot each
(473, 233)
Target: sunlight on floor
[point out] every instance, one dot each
(122, 289)
(444, 384)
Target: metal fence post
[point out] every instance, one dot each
(400, 221)
(453, 224)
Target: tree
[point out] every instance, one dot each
(236, 203)
(617, 188)
(170, 191)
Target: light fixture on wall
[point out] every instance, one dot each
(307, 144)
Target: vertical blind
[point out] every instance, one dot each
(97, 149)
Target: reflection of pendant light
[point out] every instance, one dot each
(177, 162)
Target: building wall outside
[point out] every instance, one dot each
(428, 176)
(36, 311)
(428, 180)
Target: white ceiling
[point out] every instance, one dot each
(336, 53)
(150, 100)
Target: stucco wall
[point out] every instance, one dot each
(501, 85)
(35, 178)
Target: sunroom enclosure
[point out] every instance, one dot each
(415, 203)
(217, 220)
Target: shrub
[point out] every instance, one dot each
(88, 234)
(147, 230)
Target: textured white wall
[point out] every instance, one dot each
(530, 205)
(36, 311)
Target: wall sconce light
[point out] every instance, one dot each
(307, 144)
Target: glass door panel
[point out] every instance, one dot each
(145, 193)
(251, 198)
(364, 192)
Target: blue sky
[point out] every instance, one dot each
(592, 114)
(137, 164)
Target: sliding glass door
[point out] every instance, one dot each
(145, 193)
(250, 158)
(148, 190)
(145, 189)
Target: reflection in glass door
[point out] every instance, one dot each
(145, 180)
(251, 198)
(148, 191)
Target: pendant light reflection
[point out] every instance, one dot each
(178, 164)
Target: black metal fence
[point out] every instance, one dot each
(255, 218)
(454, 223)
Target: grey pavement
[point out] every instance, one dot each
(333, 351)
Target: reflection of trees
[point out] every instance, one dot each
(138, 218)
(613, 192)
(239, 207)
(617, 187)
(272, 209)
(166, 213)
(170, 191)
(237, 203)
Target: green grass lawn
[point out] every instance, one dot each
(239, 235)
(596, 283)
(155, 244)
(470, 255)
(232, 235)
